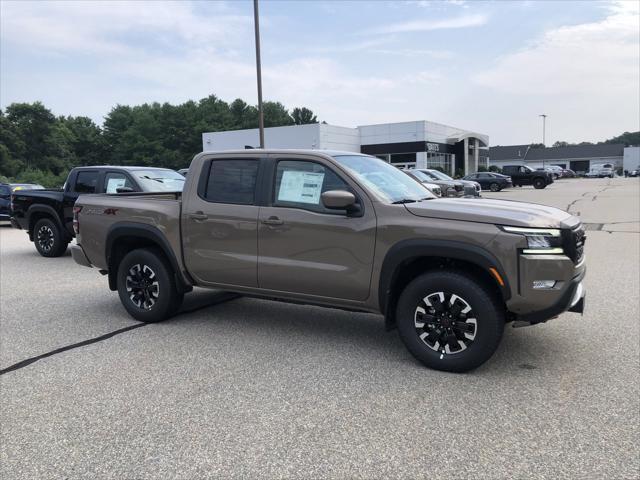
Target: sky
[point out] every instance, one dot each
(487, 66)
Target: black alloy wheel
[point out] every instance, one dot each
(45, 238)
(143, 287)
(450, 320)
(48, 238)
(147, 285)
(445, 323)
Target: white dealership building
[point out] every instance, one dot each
(420, 144)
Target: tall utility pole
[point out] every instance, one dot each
(259, 72)
(544, 132)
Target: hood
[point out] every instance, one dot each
(469, 182)
(497, 212)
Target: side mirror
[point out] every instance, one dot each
(124, 189)
(339, 200)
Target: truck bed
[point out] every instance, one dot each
(100, 212)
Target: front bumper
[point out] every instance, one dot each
(571, 300)
(79, 256)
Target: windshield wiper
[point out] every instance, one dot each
(404, 200)
(151, 178)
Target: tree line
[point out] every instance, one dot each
(38, 147)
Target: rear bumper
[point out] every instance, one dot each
(79, 256)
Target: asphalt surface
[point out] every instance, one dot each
(259, 389)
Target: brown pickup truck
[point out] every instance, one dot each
(342, 230)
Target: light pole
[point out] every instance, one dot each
(259, 72)
(544, 125)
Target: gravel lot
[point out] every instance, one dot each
(251, 388)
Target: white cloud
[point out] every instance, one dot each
(586, 76)
(463, 21)
(106, 27)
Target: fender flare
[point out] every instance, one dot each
(153, 234)
(50, 211)
(407, 250)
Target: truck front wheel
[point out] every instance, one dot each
(48, 238)
(147, 287)
(449, 321)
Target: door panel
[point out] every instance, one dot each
(305, 248)
(220, 240)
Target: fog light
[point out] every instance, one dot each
(543, 284)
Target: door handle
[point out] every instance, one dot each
(198, 216)
(272, 221)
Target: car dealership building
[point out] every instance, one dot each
(420, 144)
(579, 158)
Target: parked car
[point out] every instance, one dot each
(490, 180)
(592, 173)
(568, 173)
(525, 175)
(449, 186)
(471, 188)
(6, 190)
(425, 180)
(47, 215)
(555, 170)
(635, 173)
(606, 172)
(344, 230)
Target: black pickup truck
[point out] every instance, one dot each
(524, 175)
(47, 215)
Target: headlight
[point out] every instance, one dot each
(539, 240)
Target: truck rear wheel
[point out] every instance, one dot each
(147, 286)
(48, 238)
(539, 183)
(449, 321)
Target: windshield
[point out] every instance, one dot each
(159, 180)
(423, 177)
(384, 179)
(438, 175)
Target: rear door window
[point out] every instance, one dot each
(232, 181)
(86, 182)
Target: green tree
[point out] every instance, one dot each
(303, 116)
(561, 144)
(628, 138)
(276, 115)
(33, 124)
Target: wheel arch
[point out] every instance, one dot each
(124, 237)
(38, 212)
(410, 258)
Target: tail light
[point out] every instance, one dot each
(76, 223)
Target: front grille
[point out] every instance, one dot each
(573, 242)
(459, 188)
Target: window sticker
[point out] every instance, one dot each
(114, 183)
(300, 187)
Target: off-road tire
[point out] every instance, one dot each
(49, 239)
(486, 309)
(539, 183)
(162, 298)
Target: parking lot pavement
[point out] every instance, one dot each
(251, 388)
